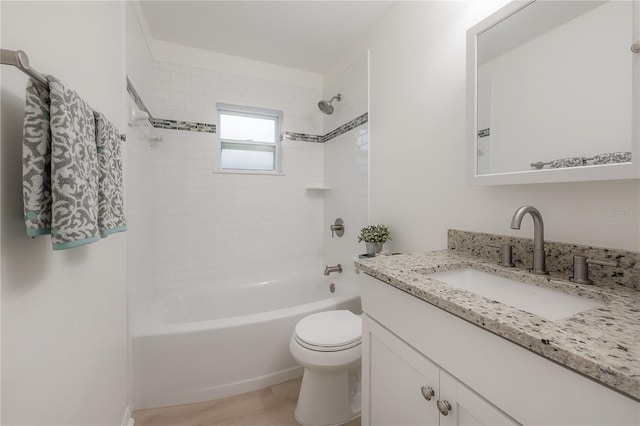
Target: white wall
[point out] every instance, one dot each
(217, 229)
(64, 317)
(417, 145)
(346, 169)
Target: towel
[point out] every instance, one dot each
(612, 157)
(110, 196)
(74, 169)
(567, 162)
(36, 160)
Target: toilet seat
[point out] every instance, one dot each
(330, 331)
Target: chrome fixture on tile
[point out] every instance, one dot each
(581, 268)
(20, 60)
(539, 263)
(337, 228)
(332, 288)
(326, 107)
(506, 255)
(635, 47)
(329, 269)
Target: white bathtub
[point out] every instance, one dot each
(206, 343)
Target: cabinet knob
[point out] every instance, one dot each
(427, 392)
(444, 407)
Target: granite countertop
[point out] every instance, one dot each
(602, 343)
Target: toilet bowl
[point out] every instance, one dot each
(328, 346)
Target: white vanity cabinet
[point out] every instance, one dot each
(409, 343)
(404, 388)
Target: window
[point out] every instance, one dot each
(249, 138)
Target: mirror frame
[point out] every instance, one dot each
(574, 174)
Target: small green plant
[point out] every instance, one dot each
(374, 234)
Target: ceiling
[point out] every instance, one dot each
(307, 35)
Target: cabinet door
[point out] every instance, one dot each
(467, 407)
(393, 377)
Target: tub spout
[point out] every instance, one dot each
(329, 269)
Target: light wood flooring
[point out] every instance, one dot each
(272, 406)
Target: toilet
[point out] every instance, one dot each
(328, 346)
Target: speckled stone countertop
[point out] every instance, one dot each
(602, 343)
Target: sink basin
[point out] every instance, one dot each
(541, 301)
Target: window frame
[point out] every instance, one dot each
(251, 112)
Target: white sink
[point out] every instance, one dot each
(541, 301)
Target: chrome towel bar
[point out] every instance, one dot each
(20, 60)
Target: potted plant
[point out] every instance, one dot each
(374, 237)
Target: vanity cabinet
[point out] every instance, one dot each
(409, 343)
(405, 388)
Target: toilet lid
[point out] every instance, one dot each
(331, 329)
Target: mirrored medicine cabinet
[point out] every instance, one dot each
(553, 93)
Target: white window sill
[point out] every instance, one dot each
(246, 172)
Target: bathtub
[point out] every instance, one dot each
(199, 344)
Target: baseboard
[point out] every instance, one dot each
(127, 419)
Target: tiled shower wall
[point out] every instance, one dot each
(190, 226)
(221, 228)
(346, 169)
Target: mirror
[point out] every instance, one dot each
(553, 89)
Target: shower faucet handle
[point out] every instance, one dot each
(337, 228)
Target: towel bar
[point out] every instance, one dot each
(20, 60)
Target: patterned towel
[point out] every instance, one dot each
(612, 157)
(74, 169)
(567, 162)
(110, 198)
(36, 160)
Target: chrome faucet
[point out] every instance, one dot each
(539, 266)
(329, 269)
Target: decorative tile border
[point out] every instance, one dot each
(559, 258)
(192, 126)
(164, 123)
(364, 118)
(304, 137)
(484, 133)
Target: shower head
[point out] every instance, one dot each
(326, 107)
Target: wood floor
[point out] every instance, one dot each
(272, 406)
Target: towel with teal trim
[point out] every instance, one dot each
(36, 160)
(74, 169)
(111, 217)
